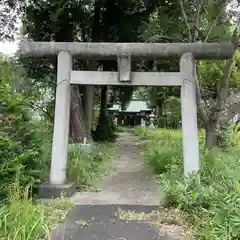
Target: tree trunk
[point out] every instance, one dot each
(104, 97)
(104, 131)
(159, 112)
(212, 136)
(92, 66)
(88, 100)
(77, 119)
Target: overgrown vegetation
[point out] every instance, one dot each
(25, 144)
(22, 218)
(25, 149)
(212, 207)
(86, 168)
(20, 144)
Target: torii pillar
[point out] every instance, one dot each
(58, 184)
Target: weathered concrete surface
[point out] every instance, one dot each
(137, 78)
(103, 223)
(141, 51)
(189, 115)
(53, 191)
(132, 183)
(61, 120)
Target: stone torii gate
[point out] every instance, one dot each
(122, 53)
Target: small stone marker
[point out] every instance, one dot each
(143, 123)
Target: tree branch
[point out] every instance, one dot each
(195, 27)
(224, 83)
(34, 106)
(214, 24)
(201, 110)
(186, 19)
(216, 20)
(150, 6)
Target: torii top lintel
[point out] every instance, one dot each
(135, 50)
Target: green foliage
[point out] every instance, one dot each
(235, 136)
(212, 205)
(161, 157)
(141, 132)
(105, 130)
(172, 112)
(95, 117)
(23, 219)
(82, 21)
(25, 144)
(214, 24)
(119, 129)
(10, 10)
(25, 150)
(172, 106)
(211, 73)
(123, 95)
(86, 167)
(20, 147)
(229, 136)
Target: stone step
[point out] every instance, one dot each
(132, 197)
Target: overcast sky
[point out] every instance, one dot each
(8, 47)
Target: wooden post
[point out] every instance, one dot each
(61, 120)
(189, 115)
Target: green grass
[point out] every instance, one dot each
(211, 207)
(23, 219)
(85, 168)
(119, 129)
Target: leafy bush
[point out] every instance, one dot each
(229, 136)
(235, 136)
(213, 205)
(160, 153)
(21, 148)
(172, 111)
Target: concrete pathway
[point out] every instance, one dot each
(131, 183)
(131, 190)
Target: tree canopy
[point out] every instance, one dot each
(131, 21)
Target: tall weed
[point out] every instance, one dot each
(213, 205)
(23, 219)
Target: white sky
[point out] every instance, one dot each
(10, 48)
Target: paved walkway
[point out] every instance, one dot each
(97, 215)
(131, 183)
